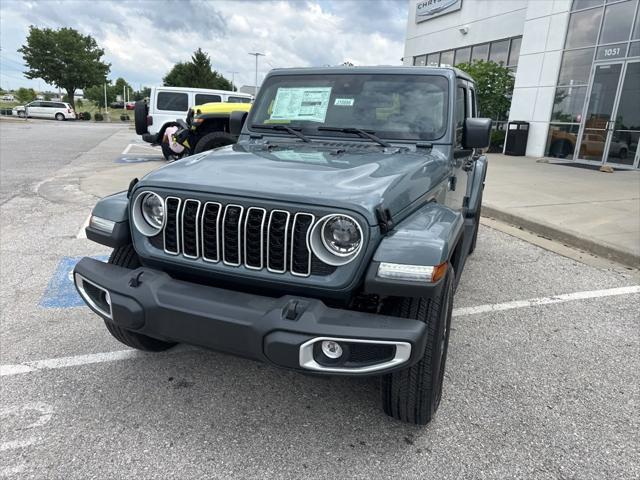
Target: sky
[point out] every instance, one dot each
(143, 39)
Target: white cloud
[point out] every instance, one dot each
(142, 40)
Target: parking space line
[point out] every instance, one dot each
(126, 150)
(81, 232)
(534, 302)
(78, 360)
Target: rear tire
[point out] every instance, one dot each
(59, 117)
(140, 117)
(413, 395)
(214, 140)
(128, 258)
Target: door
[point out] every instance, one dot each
(461, 157)
(34, 109)
(623, 147)
(599, 114)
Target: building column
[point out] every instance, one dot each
(540, 55)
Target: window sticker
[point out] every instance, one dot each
(292, 156)
(301, 104)
(343, 102)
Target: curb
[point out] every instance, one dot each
(572, 239)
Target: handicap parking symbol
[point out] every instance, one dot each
(61, 292)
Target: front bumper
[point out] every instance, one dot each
(272, 330)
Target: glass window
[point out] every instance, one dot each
(473, 103)
(433, 60)
(561, 140)
(462, 55)
(173, 101)
(446, 58)
(202, 98)
(583, 28)
(499, 52)
(514, 53)
(617, 22)
(461, 113)
(634, 49)
(35, 104)
(575, 67)
(480, 52)
(420, 61)
(636, 28)
(411, 107)
(580, 4)
(568, 103)
(238, 100)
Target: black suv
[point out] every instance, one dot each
(329, 239)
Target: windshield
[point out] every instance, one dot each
(400, 107)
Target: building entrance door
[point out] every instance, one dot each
(611, 122)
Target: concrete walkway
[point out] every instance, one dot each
(591, 210)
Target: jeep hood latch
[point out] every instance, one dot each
(385, 222)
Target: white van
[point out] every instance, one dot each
(46, 109)
(166, 104)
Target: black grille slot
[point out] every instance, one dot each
(277, 241)
(318, 267)
(300, 254)
(210, 226)
(369, 353)
(190, 243)
(231, 235)
(253, 237)
(171, 234)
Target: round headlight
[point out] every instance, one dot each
(341, 235)
(152, 208)
(148, 213)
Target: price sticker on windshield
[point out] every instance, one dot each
(308, 104)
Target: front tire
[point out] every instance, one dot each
(413, 395)
(128, 258)
(214, 140)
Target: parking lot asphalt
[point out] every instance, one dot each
(542, 379)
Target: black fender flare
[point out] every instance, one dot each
(114, 208)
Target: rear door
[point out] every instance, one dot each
(169, 105)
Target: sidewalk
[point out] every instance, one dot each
(593, 211)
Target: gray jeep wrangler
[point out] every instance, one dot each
(329, 239)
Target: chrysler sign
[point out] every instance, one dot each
(428, 9)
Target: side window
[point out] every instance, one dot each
(472, 96)
(48, 104)
(205, 98)
(34, 104)
(173, 101)
(59, 105)
(239, 100)
(461, 113)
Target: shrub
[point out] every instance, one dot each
(124, 118)
(86, 115)
(79, 103)
(497, 141)
(98, 117)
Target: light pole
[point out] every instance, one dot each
(256, 54)
(233, 80)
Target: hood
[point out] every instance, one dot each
(358, 178)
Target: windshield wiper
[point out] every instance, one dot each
(358, 131)
(283, 128)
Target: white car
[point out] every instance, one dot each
(46, 109)
(166, 104)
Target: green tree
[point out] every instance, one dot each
(494, 87)
(47, 96)
(145, 92)
(64, 58)
(196, 73)
(25, 95)
(95, 93)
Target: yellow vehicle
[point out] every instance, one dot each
(207, 126)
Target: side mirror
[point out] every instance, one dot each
(477, 133)
(236, 122)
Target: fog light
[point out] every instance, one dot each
(331, 349)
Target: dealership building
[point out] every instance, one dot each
(576, 65)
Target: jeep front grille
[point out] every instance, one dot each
(276, 240)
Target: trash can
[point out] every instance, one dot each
(516, 141)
